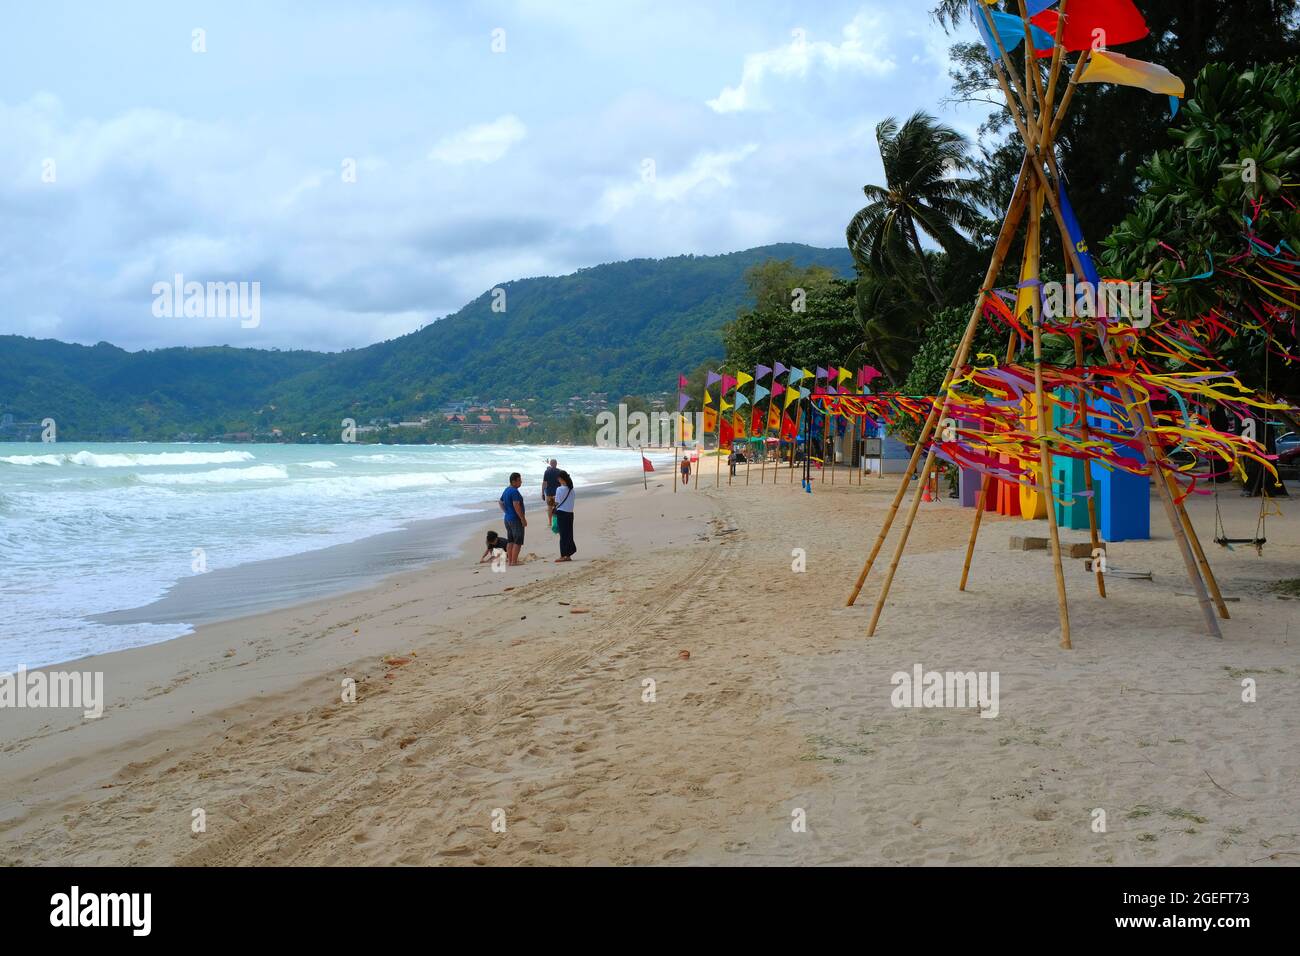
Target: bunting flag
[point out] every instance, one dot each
(821, 373)
(724, 404)
(791, 396)
(831, 373)
(760, 371)
(795, 375)
(779, 370)
(728, 383)
(708, 399)
(777, 388)
(843, 376)
(743, 379)
(804, 393)
(711, 378)
(741, 399)
(682, 401)
(681, 382)
(760, 393)
(1107, 67)
(1118, 20)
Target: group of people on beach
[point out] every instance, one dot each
(558, 493)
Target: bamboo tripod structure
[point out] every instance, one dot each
(1037, 131)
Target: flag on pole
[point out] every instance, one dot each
(645, 464)
(1117, 20)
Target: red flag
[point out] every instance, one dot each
(645, 464)
(726, 435)
(1118, 20)
(681, 382)
(756, 422)
(787, 428)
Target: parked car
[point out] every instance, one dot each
(1288, 455)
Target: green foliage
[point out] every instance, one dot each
(922, 195)
(774, 328)
(1238, 140)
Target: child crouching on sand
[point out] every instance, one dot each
(495, 542)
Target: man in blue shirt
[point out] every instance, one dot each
(512, 507)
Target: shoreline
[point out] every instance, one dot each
(264, 585)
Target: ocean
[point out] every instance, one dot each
(88, 529)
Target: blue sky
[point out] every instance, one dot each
(602, 131)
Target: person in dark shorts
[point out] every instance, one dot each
(564, 517)
(550, 481)
(495, 542)
(512, 508)
(686, 471)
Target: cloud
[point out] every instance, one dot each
(861, 51)
(706, 168)
(485, 143)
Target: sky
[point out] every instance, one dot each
(375, 166)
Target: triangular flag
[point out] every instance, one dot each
(728, 383)
(777, 388)
(791, 396)
(743, 379)
(795, 375)
(760, 392)
(682, 400)
(741, 399)
(681, 382)
(711, 378)
(708, 399)
(843, 375)
(726, 405)
(645, 464)
(761, 370)
(779, 370)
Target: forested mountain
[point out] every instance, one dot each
(624, 328)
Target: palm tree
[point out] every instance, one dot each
(923, 194)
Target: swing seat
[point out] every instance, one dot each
(1229, 542)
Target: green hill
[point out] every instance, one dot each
(625, 328)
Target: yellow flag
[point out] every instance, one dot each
(1108, 67)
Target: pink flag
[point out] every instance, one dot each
(728, 383)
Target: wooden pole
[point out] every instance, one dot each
(1085, 431)
(674, 469)
(1015, 211)
(1126, 395)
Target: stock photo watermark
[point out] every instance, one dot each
(53, 690)
(959, 689)
(176, 299)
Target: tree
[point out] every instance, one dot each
(922, 194)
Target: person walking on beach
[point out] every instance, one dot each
(686, 471)
(512, 508)
(550, 479)
(564, 517)
(731, 462)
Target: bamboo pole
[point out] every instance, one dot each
(1010, 224)
(1012, 339)
(674, 469)
(1126, 395)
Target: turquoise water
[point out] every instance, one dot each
(88, 528)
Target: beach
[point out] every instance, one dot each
(681, 695)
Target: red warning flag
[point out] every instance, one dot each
(645, 464)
